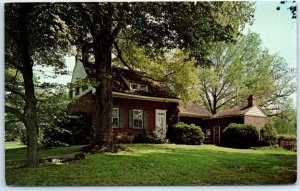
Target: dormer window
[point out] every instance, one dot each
(134, 86)
(140, 87)
(144, 88)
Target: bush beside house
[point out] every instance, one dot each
(182, 133)
(69, 130)
(240, 136)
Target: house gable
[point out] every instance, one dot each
(79, 72)
(255, 111)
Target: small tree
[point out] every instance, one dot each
(268, 135)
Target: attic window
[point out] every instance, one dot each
(140, 87)
(134, 86)
(143, 87)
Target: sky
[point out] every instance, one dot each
(276, 28)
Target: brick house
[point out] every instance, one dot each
(213, 125)
(140, 104)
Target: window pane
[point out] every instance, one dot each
(115, 112)
(115, 123)
(137, 123)
(137, 114)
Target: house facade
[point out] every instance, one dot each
(213, 125)
(140, 104)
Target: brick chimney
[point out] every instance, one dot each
(251, 101)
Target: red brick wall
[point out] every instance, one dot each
(149, 106)
(127, 104)
(259, 122)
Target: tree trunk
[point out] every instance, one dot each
(30, 109)
(102, 41)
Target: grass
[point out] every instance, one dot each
(166, 164)
(14, 145)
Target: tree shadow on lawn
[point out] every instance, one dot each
(146, 164)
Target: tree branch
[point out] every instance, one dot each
(129, 67)
(15, 112)
(12, 90)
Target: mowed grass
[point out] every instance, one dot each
(165, 164)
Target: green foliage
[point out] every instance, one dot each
(170, 67)
(285, 122)
(244, 68)
(268, 135)
(13, 131)
(287, 141)
(23, 136)
(240, 136)
(69, 130)
(150, 137)
(182, 133)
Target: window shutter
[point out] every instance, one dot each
(145, 119)
(121, 118)
(130, 119)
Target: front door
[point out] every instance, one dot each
(160, 120)
(216, 137)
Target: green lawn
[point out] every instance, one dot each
(165, 164)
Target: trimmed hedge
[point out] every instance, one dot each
(240, 136)
(182, 133)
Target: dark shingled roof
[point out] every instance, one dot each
(122, 76)
(194, 108)
(231, 112)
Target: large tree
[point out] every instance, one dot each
(34, 34)
(162, 25)
(244, 68)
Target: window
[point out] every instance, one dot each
(70, 94)
(77, 91)
(115, 118)
(208, 133)
(141, 87)
(134, 86)
(138, 119)
(84, 88)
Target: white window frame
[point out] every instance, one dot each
(206, 133)
(112, 118)
(139, 87)
(133, 118)
(146, 87)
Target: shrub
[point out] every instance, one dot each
(23, 136)
(240, 136)
(268, 135)
(69, 130)
(287, 142)
(150, 137)
(13, 131)
(123, 138)
(182, 133)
